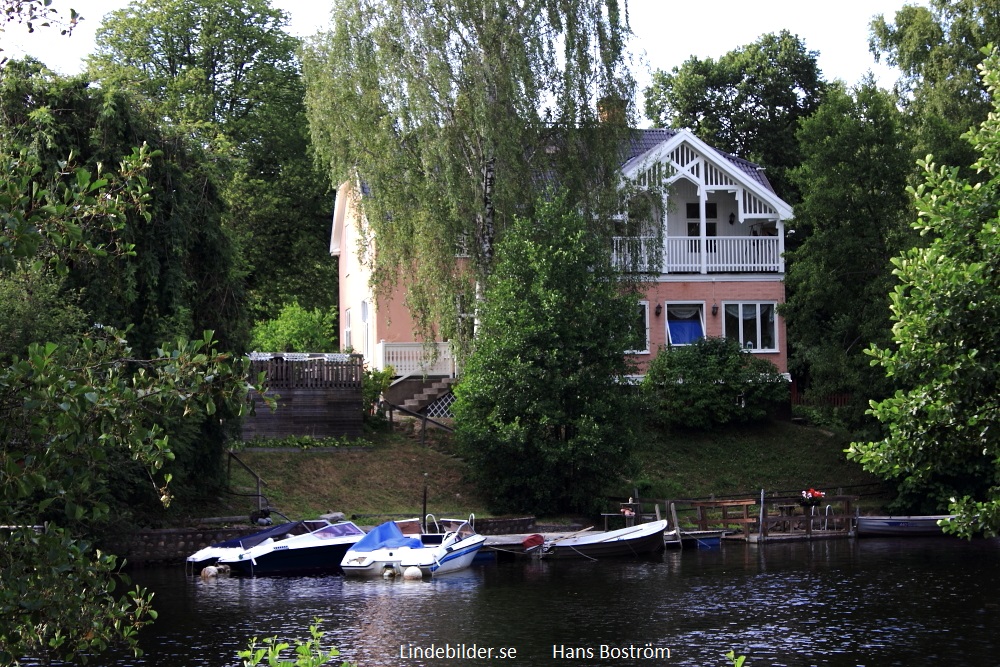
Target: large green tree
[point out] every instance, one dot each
(854, 218)
(748, 102)
(943, 425)
(937, 48)
(543, 408)
(179, 275)
(227, 72)
(170, 271)
(70, 414)
(453, 115)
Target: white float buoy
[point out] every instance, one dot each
(413, 572)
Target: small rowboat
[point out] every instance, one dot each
(638, 540)
(900, 526)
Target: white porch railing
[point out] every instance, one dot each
(409, 359)
(741, 254)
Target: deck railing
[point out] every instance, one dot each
(409, 359)
(739, 254)
(303, 370)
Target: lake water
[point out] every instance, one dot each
(837, 602)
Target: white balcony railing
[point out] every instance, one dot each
(415, 359)
(741, 254)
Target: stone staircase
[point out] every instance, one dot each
(430, 393)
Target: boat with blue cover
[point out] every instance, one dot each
(387, 551)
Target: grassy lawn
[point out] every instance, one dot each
(388, 476)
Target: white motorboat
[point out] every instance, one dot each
(318, 551)
(638, 540)
(210, 555)
(388, 551)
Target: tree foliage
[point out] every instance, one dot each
(297, 330)
(748, 102)
(942, 439)
(852, 220)
(937, 48)
(453, 116)
(227, 72)
(711, 383)
(69, 413)
(170, 271)
(34, 13)
(543, 410)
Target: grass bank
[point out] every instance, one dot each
(388, 475)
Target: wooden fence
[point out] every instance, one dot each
(317, 395)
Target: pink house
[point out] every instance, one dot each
(715, 235)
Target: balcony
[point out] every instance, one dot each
(415, 359)
(740, 254)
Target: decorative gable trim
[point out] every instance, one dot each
(683, 155)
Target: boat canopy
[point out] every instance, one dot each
(388, 535)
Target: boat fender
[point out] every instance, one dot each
(413, 572)
(388, 572)
(209, 572)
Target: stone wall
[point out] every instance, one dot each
(172, 546)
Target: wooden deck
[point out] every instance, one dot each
(318, 396)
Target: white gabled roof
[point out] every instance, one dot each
(687, 156)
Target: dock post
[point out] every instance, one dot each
(761, 532)
(677, 526)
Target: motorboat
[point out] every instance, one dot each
(396, 548)
(320, 550)
(901, 526)
(211, 554)
(639, 540)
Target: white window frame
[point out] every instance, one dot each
(346, 344)
(741, 337)
(644, 305)
(365, 315)
(666, 318)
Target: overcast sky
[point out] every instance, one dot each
(667, 32)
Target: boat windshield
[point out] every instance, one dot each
(338, 530)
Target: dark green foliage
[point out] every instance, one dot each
(711, 383)
(748, 103)
(542, 412)
(942, 443)
(173, 270)
(852, 220)
(33, 307)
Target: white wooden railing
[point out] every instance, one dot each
(741, 254)
(409, 359)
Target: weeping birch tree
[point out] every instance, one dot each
(452, 115)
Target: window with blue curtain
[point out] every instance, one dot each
(685, 323)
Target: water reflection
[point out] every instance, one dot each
(840, 602)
